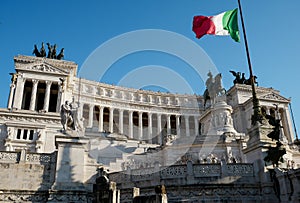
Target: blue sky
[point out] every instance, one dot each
(81, 26)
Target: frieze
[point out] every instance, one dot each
(240, 169)
(273, 96)
(9, 156)
(23, 119)
(174, 171)
(38, 158)
(142, 174)
(240, 194)
(71, 197)
(205, 170)
(21, 59)
(134, 91)
(134, 107)
(41, 67)
(21, 197)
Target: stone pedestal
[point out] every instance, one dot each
(255, 153)
(70, 163)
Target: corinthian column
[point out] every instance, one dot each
(47, 96)
(111, 120)
(168, 124)
(33, 95)
(91, 112)
(100, 127)
(140, 125)
(130, 114)
(187, 126)
(178, 125)
(121, 121)
(196, 126)
(159, 138)
(11, 95)
(149, 127)
(19, 92)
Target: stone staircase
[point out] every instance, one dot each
(113, 150)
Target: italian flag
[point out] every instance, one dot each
(225, 23)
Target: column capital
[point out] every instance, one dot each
(35, 81)
(140, 113)
(48, 82)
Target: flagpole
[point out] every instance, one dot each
(257, 115)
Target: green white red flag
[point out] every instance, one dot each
(225, 23)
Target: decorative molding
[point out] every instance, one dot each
(274, 97)
(42, 67)
(9, 157)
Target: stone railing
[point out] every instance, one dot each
(38, 158)
(12, 157)
(194, 171)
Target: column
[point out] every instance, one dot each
(19, 92)
(178, 125)
(11, 95)
(111, 120)
(121, 111)
(196, 125)
(130, 114)
(267, 110)
(187, 125)
(100, 127)
(288, 125)
(59, 94)
(91, 112)
(47, 96)
(140, 125)
(149, 127)
(159, 138)
(168, 124)
(33, 95)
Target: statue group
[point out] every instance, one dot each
(51, 52)
(214, 88)
(69, 117)
(240, 78)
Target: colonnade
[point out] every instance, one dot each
(35, 95)
(140, 125)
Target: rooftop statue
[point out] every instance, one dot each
(240, 78)
(42, 50)
(51, 52)
(61, 54)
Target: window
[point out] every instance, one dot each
(25, 134)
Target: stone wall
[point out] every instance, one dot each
(195, 182)
(26, 176)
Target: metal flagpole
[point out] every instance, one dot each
(295, 129)
(257, 115)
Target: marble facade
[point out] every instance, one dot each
(143, 138)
